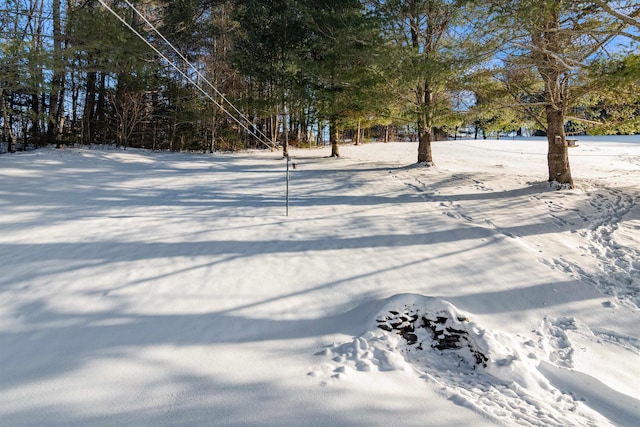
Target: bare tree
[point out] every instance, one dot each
(129, 109)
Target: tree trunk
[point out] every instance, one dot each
(56, 106)
(273, 121)
(551, 71)
(425, 125)
(35, 121)
(424, 147)
(285, 132)
(35, 69)
(558, 154)
(6, 127)
(320, 136)
(88, 116)
(335, 138)
(75, 101)
(100, 125)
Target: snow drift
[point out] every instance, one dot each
(142, 288)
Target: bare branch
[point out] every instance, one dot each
(561, 61)
(630, 19)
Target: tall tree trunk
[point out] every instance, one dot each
(56, 107)
(285, 131)
(425, 125)
(320, 135)
(6, 126)
(335, 137)
(551, 71)
(214, 127)
(35, 121)
(75, 101)
(36, 69)
(273, 121)
(558, 153)
(101, 128)
(88, 118)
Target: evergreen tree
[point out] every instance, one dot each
(343, 63)
(432, 47)
(615, 107)
(627, 12)
(106, 54)
(558, 39)
(269, 47)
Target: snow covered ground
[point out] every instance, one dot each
(142, 288)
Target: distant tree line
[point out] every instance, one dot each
(71, 72)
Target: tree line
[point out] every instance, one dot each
(297, 70)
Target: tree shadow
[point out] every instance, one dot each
(51, 343)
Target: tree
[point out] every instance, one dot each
(55, 122)
(219, 67)
(343, 64)
(431, 47)
(269, 49)
(558, 39)
(101, 63)
(615, 106)
(24, 60)
(625, 11)
(129, 111)
(492, 111)
(11, 71)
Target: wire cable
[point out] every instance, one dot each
(186, 61)
(188, 78)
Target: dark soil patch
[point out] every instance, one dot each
(446, 333)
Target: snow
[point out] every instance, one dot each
(142, 288)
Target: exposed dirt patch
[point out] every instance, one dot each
(446, 333)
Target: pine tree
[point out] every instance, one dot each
(268, 49)
(431, 47)
(343, 62)
(558, 39)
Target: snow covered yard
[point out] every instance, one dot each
(142, 288)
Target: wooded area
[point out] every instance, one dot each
(71, 72)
